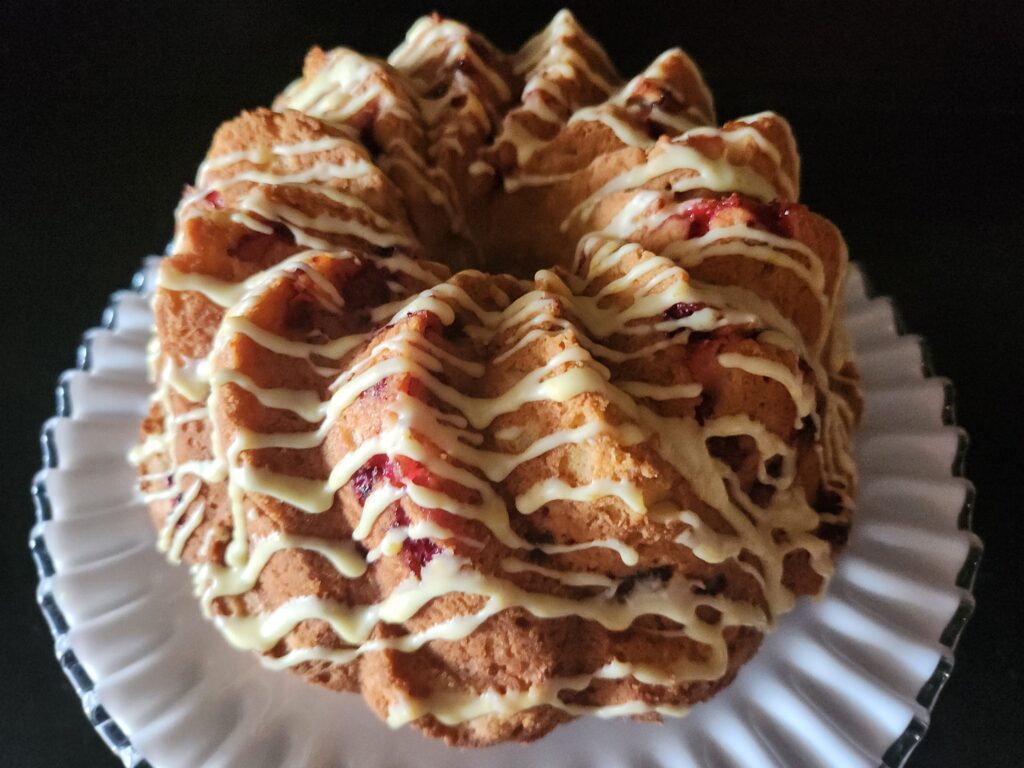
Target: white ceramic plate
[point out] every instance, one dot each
(847, 681)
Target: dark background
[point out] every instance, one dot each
(910, 120)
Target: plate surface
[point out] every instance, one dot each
(846, 681)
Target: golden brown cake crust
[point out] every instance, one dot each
(492, 502)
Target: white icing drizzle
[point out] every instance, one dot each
(453, 707)
(554, 489)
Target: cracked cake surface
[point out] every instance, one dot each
(498, 388)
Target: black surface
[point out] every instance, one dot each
(910, 121)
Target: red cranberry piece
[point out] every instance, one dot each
(772, 217)
(376, 391)
(393, 472)
(416, 553)
(683, 309)
(214, 199)
(414, 388)
(700, 216)
(402, 471)
(412, 471)
(371, 473)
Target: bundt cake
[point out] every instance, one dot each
(497, 389)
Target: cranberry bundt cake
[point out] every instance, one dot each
(498, 389)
